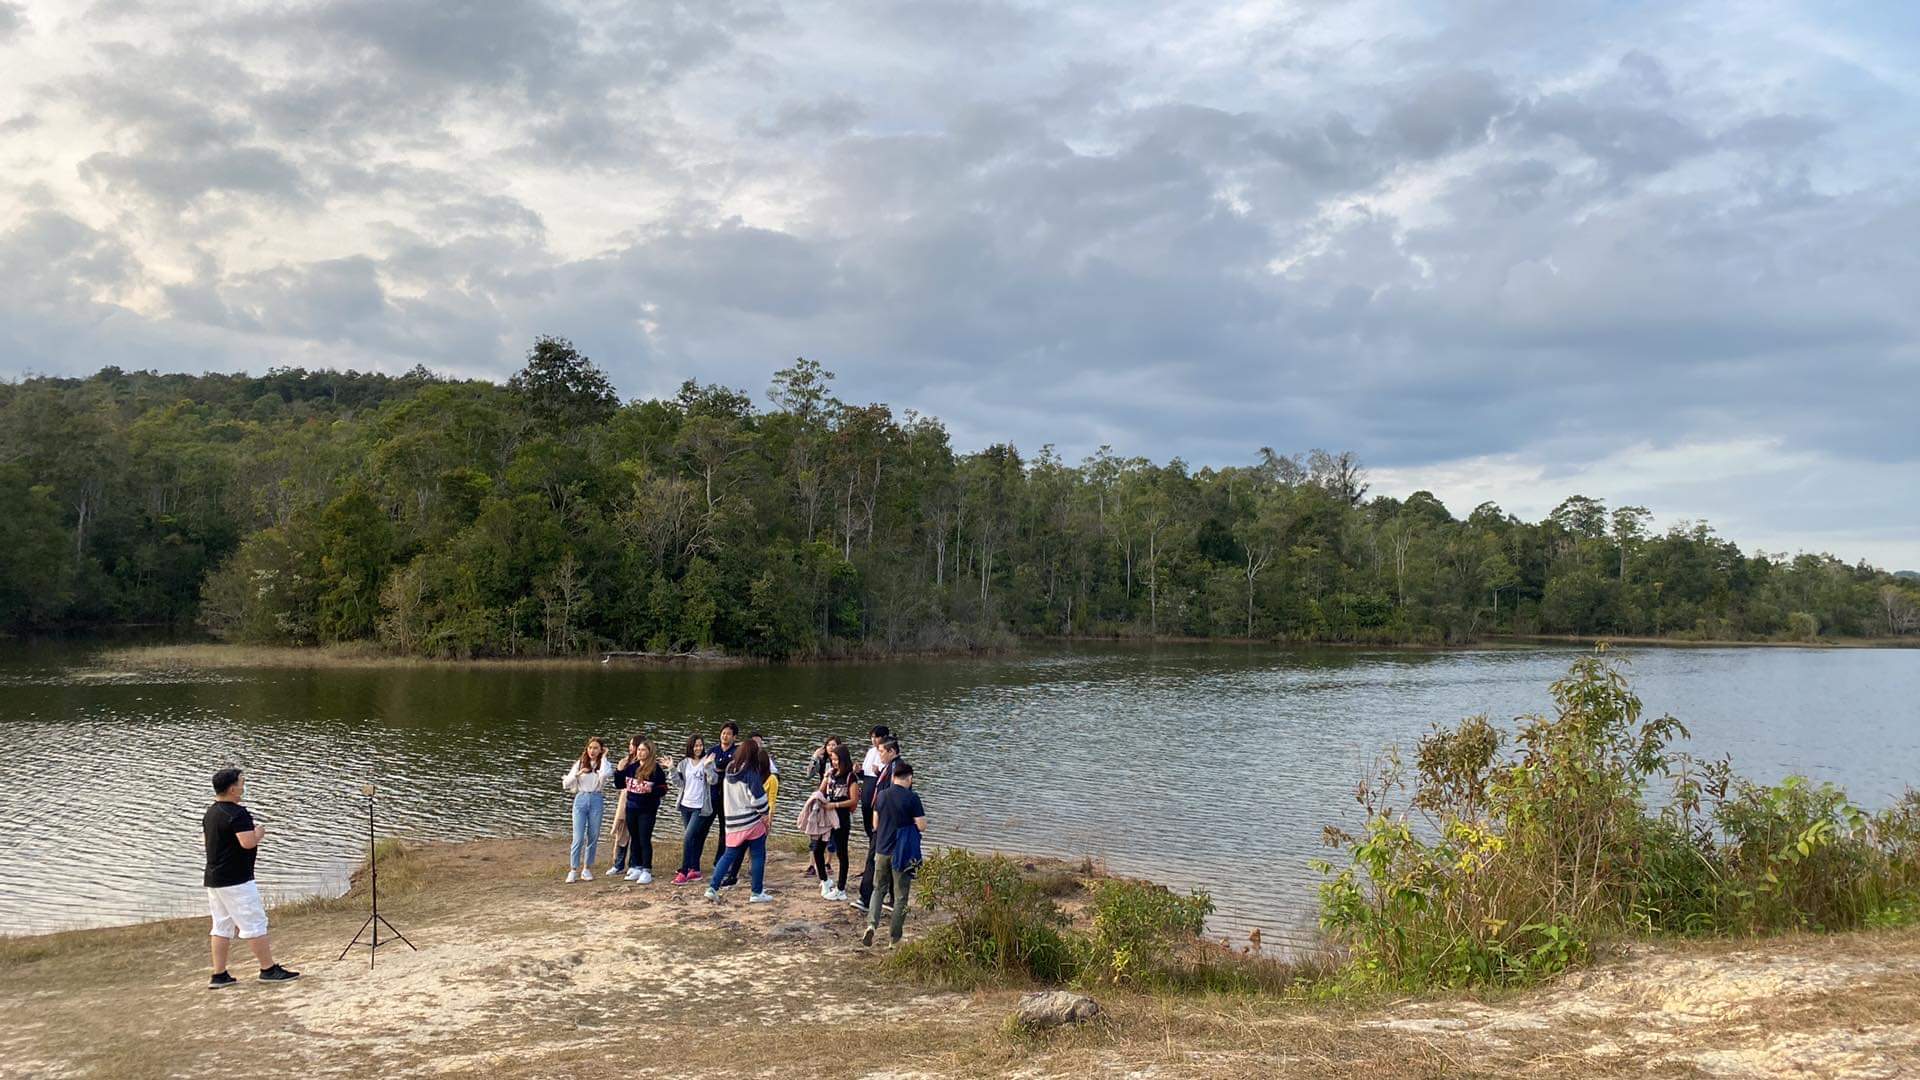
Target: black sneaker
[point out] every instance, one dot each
(276, 973)
(867, 938)
(221, 980)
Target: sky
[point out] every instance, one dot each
(1655, 253)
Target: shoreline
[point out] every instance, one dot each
(518, 975)
(214, 656)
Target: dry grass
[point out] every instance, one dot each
(521, 976)
(1710, 643)
(351, 655)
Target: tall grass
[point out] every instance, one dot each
(1500, 859)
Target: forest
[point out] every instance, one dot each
(543, 517)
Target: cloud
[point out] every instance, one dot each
(1508, 237)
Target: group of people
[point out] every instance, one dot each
(736, 783)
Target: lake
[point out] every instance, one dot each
(1200, 766)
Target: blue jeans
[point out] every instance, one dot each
(730, 862)
(693, 836)
(588, 807)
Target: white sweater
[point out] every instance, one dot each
(581, 781)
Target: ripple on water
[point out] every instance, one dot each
(1201, 767)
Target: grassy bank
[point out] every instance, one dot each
(1678, 642)
(521, 976)
(353, 655)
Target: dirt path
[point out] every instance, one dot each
(519, 975)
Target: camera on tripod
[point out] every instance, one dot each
(375, 920)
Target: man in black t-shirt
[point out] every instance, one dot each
(722, 754)
(898, 820)
(233, 898)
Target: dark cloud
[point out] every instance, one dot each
(1447, 111)
(831, 115)
(54, 260)
(177, 179)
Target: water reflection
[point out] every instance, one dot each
(1201, 766)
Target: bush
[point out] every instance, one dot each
(1503, 867)
(1136, 928)
(1003, 927)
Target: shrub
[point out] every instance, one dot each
(1003, 927)
(1135, 930)
(1503, 866)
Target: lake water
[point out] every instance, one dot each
(1200, 766)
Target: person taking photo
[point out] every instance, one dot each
(233, 897)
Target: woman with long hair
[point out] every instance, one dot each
(643, 777)
(696, 774)
(841, 789)
(817, 768)
(745, 799)
(620, 845)
(587, 781)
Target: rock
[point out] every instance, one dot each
(796, 930)
(1054, 1008)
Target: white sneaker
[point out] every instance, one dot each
(760, 898)
(645, 878)
(826, 890)
(712, 893)
(838, 894)
(586, 874)
(572, 876)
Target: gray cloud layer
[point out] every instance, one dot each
(1188, 228)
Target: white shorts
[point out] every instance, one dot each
(237, 911)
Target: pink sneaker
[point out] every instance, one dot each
(693, 875)
(681, 878)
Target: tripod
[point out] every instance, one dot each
(375, 920)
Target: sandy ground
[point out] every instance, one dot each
(520, 975)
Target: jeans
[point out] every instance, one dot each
(588, 809)
(716, 802)
(730, 863)
(640, 836)
(693, 837)
(866, 873)
(896, 884)
(838, 842)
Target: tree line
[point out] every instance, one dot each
(465, 518)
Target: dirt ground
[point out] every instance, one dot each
(519, 975)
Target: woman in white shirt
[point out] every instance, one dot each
(587, 780)
(696, 775)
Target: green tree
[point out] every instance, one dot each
(561, 389)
